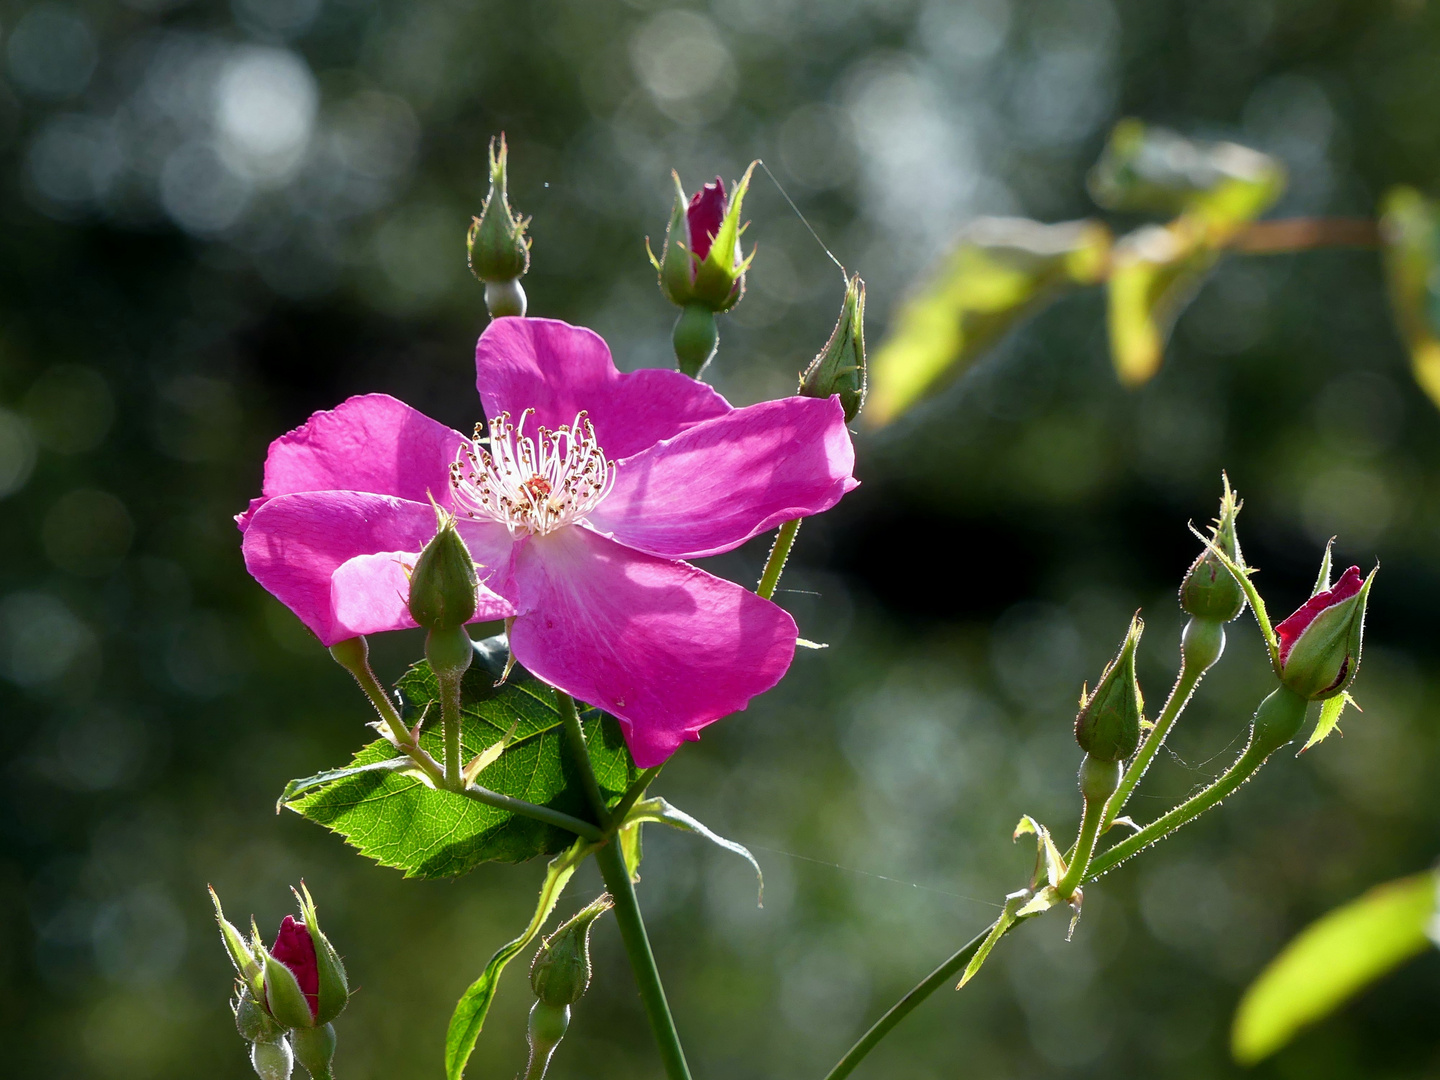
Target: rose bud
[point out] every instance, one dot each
(1320, 644)
(498, 248)
(1108, 724)
(560, 972)
(271, 1059)
(1209, 591)
(442, 598)
(840, 367)
(701, 267)
(305, 983)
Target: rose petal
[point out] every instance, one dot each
(704, 216)
(296, 543)
(664, 647)
(714, 486)
(1289, 630)
(559, 370)
(294, 948)
(370, 443)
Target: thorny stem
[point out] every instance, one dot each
(775, 564)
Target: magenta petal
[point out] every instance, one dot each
(296, 544)
(714, 486)
(296, 950)
(704, 216)
(371, 443)
(664, 647)
(558, 370)
(1289, 630)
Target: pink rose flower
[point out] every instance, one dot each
(704, 215)
(592, 488)
(294, 948)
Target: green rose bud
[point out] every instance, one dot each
(271, 1059)
(498, 247)
(560, 972)
(840, 367)
(1210, 591)
(1108, 724)
(443, 583)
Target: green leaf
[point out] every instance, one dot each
(1332, 960)
(329, 776)
(999, 271)
(473, 1006)
(1047, 855)
(998, 929)
(658, 810)
(1410, 232)
(394, 818)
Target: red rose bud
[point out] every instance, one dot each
(704, 215)
(1108, 724)
(296, 952)
(1320, 643)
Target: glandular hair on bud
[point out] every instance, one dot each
(1108, 724)
(443, 583)
(271, 1059)
(840, 366)
(560, 972)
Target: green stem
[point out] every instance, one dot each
(628, 800)
(1180, 695)
(1098, 781)
(906, 1005)
(575, 735)
(642, 960)
(775, 564)
(583, 829)
(450, 721)
(1277, 721)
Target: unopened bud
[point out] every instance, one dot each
(443, 583)
(498, 247)
(252, 1021)
(560, 972)
(1108, 724)
(272, 1059)
(1320, 644)
(315, 1049)
(840, 367)
(1209, 590)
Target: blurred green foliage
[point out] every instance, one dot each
(221, 216)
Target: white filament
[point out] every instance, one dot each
(531, 485)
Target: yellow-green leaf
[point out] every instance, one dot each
(1410, 232)
(1330, 961)
(999, 270)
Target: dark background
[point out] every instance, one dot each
(217, 218)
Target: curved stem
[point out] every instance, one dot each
(611, 862)
(775, 564)
(906, 1005)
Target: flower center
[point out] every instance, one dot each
(532, 485)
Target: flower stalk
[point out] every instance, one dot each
(775, 564)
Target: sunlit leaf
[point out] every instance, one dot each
(1047, 856)
(1332, 960)
(1410, 232)
(394, 818)
(998, 271)
(1214, 189)
(470, 1011)
(1329, 721)
(998, 929)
